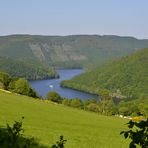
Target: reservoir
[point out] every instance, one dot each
(44, 86)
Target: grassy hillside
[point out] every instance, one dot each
(69, 51)
(47, 121)
(129, 75)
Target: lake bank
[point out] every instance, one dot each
(44, 86)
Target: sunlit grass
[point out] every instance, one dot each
(47, 121)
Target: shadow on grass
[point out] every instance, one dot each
(12, 137)
(9, 140)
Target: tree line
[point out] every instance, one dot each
(16, 85)
(29, 69)
(106, 104)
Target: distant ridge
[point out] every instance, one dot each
(73, 51)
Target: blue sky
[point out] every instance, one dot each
(66, 17)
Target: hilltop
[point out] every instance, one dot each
(73, 51)
(128, 75)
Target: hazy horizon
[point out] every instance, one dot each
(79, 17)
(74, 35)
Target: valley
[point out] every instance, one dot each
(50, 52)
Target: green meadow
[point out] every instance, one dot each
(47, 121)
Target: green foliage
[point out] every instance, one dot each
(76, 103)
(134, 107)
(11, 85)
(12, 137)
(107, 107)
(4, 80)
(53, 96)
(32, 93)
(92, 107)
(138, 136)
(143, 107)
(127, 75)
(66, 102)
(30, 69)
(104, 106)
(14, 133)
(20, 86)
(60, 143)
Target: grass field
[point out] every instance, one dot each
(47, 121)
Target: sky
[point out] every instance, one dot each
(67, 17)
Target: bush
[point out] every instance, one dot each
(4, 80)
(22, 86)
(32, 93)
(139, 136)
(66, 102)
(12, 137)
(54, 96)
(60, 143)
(76, 103)
(92, 107)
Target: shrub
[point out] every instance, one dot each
(60, 143)
(66, 102)
(53, 96)
(4, 80)
(22, 86)
(12, 137)
(92, 107)
(76, 103)
(139, 136)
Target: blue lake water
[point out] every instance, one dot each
(44, 86)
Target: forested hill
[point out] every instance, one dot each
(69, 51)
(29, 69)
(129, 75)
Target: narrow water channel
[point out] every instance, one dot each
(44, 86)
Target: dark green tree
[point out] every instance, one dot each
(4, 80)
(104, 96)
(22, 86)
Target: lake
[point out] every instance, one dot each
(44, 86)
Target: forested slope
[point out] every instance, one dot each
(29, 69)
(34, 56)
(69, 51)
(129, 75)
